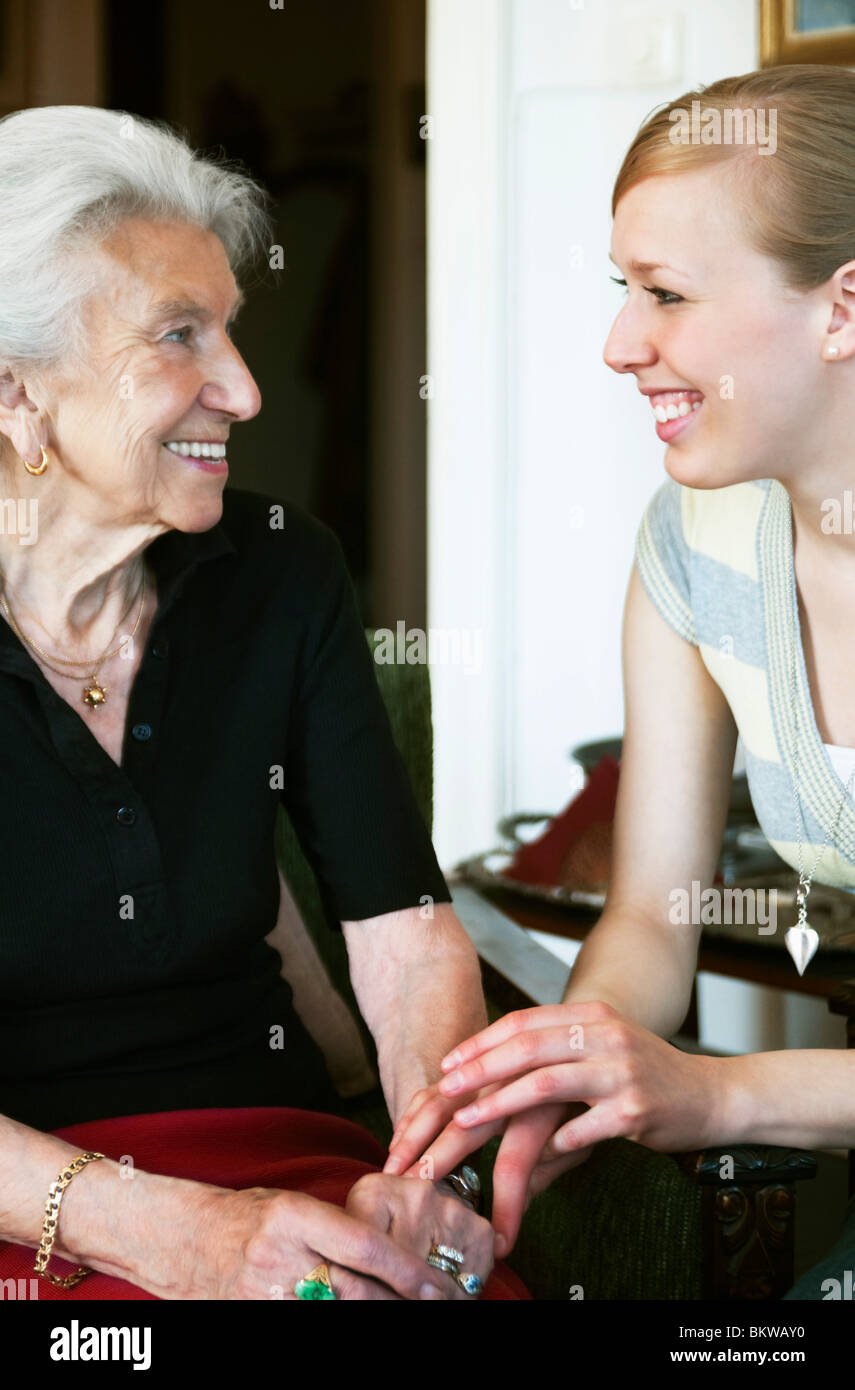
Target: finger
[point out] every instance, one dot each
(473, 1236)
(600, 1122)
(412, 1108)
(536, 1047)
(571, 1081)
(500, 1031)
(451, 1147)
(518, 1154)
(351, 1287)
(473, 1243)
(549, 1169)
(359, 1247)
(429, 1121)
(522, 1020)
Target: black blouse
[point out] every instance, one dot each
(134, 900)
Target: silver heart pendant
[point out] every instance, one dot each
(802, 943)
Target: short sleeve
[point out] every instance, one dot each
(662, 556)
(346, 788)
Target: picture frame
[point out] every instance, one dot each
(798, 31)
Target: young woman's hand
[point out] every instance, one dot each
(555, 1081)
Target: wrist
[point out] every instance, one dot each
(134, 1225)
(732, 1111)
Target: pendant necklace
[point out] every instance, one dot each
(802, 940)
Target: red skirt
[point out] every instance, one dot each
(296, 1150)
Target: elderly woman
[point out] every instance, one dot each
(739, 326)
(173, 660)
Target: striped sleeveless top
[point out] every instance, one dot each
(717, 565)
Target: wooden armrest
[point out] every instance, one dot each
(513, 964)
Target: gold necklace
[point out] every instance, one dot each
(94, 694)
(63, 661)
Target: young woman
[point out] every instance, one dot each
(740, 315)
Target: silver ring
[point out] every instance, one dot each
(449, 1253)
(470, 1283)
(440, 1262)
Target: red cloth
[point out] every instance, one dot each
(545, 860)
(297, 1150)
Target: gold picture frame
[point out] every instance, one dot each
(781, 40)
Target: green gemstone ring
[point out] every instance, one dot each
(315, 1285)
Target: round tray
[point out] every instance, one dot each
(831, 911)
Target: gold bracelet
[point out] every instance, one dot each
(49, 1225)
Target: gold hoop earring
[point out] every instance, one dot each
(37, 471)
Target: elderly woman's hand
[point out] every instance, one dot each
(557, 1080)
(259, 1242)
(417, 1216)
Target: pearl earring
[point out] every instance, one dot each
(832, 351)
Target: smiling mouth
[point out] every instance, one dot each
(193, 448)
(672, 405)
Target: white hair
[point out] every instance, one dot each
(69, 175)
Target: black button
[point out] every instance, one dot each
(126, 815)
(141, 731)
(160, 649)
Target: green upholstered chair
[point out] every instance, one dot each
(628, 1223)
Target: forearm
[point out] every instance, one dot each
(805, 1099)
(418, 986)
(108, 1221)
(446, 1006)
(643, 970)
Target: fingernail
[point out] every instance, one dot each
(452, 1060)
(394, 1165)
(467, 1116)
(449, 1084)
(429, 1291)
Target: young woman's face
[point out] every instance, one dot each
(721, 324)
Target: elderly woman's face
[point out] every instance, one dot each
(165, 372)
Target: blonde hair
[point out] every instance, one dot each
(798, 202)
